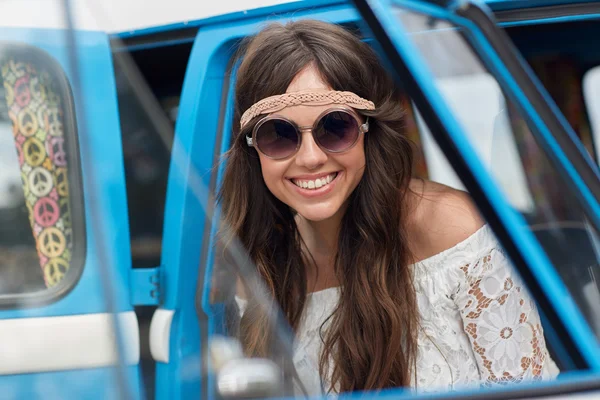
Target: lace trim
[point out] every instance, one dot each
(502, 322)
(479, 325)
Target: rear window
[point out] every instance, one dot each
(42, 238)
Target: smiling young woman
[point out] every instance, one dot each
(387, 281)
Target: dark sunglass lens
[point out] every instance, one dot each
(337, 131)
(277, 138)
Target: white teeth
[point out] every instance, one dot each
(317, 183)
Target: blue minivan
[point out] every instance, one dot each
(110, 141)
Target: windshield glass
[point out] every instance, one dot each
(497, 131)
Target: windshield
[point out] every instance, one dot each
(497, 131)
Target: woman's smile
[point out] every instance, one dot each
(313, 182)
(316, 185)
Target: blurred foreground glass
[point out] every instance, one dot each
(497, 131)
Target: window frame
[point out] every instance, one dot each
(49, 295)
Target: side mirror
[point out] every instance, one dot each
(239, 377)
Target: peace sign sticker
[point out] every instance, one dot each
(55, 270)
(22, 93)
(56, 151)
(46, 212)
(52, 242)
(40, 182)
(28, 123)
(34, 152)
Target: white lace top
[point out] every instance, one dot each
(480, 327)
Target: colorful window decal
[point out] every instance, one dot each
(36, 109)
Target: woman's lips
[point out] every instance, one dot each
(323, 190)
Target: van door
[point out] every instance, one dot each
(511, 148)
(67, 327)
(181, 329)
(183, 343)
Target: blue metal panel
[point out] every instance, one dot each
(102, 125)
(528, 245)
(278, 9)
(145, 286)
(99, 383)
(98, 125)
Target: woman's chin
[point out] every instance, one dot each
(317, 214)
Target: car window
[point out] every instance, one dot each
(41, 236)
(146, 148)
(563, 68)
(500, 135)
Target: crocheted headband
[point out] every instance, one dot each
(281, 101)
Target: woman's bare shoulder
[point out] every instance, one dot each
(439, 218)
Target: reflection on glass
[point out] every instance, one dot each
(506, 146)
(235, 291)
(591, 90)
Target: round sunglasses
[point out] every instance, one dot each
(335, 130)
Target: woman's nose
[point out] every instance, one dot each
(310, 154)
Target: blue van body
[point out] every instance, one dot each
(108, 288)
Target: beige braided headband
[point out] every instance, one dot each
(281, 101)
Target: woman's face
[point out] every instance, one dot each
(282, 177)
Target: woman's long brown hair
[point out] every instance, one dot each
(372, 336)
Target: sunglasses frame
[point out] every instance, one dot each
(362, 128)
